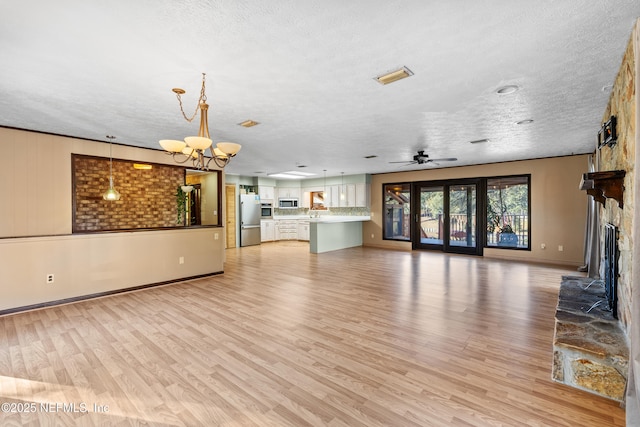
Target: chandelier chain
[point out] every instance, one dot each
(203, 98)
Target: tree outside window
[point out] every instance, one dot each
(508, 212)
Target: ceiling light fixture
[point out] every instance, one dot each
(194, 147)
(291, 175)
(505, 90)
(249, 123)
(393, 76)
(111, 194)
(142, 166)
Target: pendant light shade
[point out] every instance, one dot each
(111, 194)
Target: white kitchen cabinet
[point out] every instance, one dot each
(334, 196)
(305, 201)
(303, 230)
(286, 229)
(362, 195)
(266, 192)
(288, 192)
(343, 196)
(267, 230)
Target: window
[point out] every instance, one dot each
(397, 211)
(508, 212)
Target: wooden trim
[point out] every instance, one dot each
(100, 294)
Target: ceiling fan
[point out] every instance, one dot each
(421, 158)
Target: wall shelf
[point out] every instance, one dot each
(604, 185)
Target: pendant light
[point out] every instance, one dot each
(324, 190)
(111, 194)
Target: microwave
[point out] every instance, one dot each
(266, 211)
(288, 203)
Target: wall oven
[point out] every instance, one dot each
(266, 211)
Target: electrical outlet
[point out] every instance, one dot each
(543, 246)
(215, 236)
(560, 248)
(50, 278)
(181, 260)
(372, 235)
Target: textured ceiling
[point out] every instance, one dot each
(304, 69)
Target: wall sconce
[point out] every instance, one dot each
(607, 136)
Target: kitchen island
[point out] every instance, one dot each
(330, 233)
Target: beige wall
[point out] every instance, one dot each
(558, 207)
(35, 229)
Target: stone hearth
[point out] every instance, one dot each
(590, 350)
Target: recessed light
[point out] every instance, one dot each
(248, 123)
(372, 156)
(479, 141)
(525, 122)
(505, 90)
(393, 76)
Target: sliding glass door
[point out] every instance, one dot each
(446, 216)
(462, 236)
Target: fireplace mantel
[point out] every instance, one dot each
(604, 185)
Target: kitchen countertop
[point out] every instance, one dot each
(325, 218)
(340, 218)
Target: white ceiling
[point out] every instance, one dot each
(304, 69)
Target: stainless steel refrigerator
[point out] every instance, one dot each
(250, 212)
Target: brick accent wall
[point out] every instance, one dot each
(148, 196)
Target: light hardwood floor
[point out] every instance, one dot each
(358, 337)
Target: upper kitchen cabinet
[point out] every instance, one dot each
(348, 196)
(288, 192)
(362, 195)
(266, 192)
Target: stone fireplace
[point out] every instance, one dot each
(590, 350)
(596, 338)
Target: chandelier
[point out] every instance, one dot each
(194, 147)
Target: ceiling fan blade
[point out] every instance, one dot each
(448, 159)
(405, 161)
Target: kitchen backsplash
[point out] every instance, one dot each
(330, 211)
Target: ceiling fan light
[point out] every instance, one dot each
(229, 148)
(198, 142)
(172, 145)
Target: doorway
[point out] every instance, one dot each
(446, 216)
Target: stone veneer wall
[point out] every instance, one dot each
(148, 196)
(622, 104)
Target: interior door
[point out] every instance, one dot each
(230, 216)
